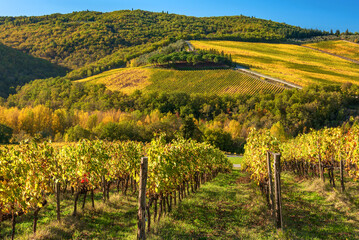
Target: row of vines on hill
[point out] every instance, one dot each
(30, 173)
(306, 155)
(212, 81)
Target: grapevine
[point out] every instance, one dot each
(30, 173)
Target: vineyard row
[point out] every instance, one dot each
(31, 172)
(308, 154)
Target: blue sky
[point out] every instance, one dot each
(320, 14)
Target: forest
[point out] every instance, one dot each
(61, 110)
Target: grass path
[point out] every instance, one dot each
(229, 207)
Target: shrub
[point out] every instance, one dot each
(76, 133)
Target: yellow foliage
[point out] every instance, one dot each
(58, 121)
(35, 120)
(215, 125)
(154, 116)
(278, 131)
(234, 128)
(9, 117)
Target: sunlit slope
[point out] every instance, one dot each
(208, 82)
(197, 81)
(342, 48)
(126, 80)
(293, 63)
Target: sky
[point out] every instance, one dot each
(316, 14)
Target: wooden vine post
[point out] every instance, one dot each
(342, 175)
(277, 187)
(141, 225)
(270, 184)
(321, 168)
(58, 207)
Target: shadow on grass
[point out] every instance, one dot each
(116, 219)
(309, 215)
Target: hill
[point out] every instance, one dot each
(219, 81)
(342, 48)
(293, 63)
(18, 68)
(77, 39)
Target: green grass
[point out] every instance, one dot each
(290, 62)
(313, 210)
(237, 160)
(230, 207)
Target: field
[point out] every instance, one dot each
(289, 62)
(208, 81)
(122, 79)
(229, 207)
(342, 48)
(225, 81)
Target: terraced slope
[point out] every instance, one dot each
(292, 63)
(342, 48)
(196, 81)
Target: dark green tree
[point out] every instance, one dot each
(5, 134)
(219, 139)
(77, 133)
(189, 129)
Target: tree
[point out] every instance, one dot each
(189, 129)
(118, 131)
(219, 138)
(5, 134)
(278, 131)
